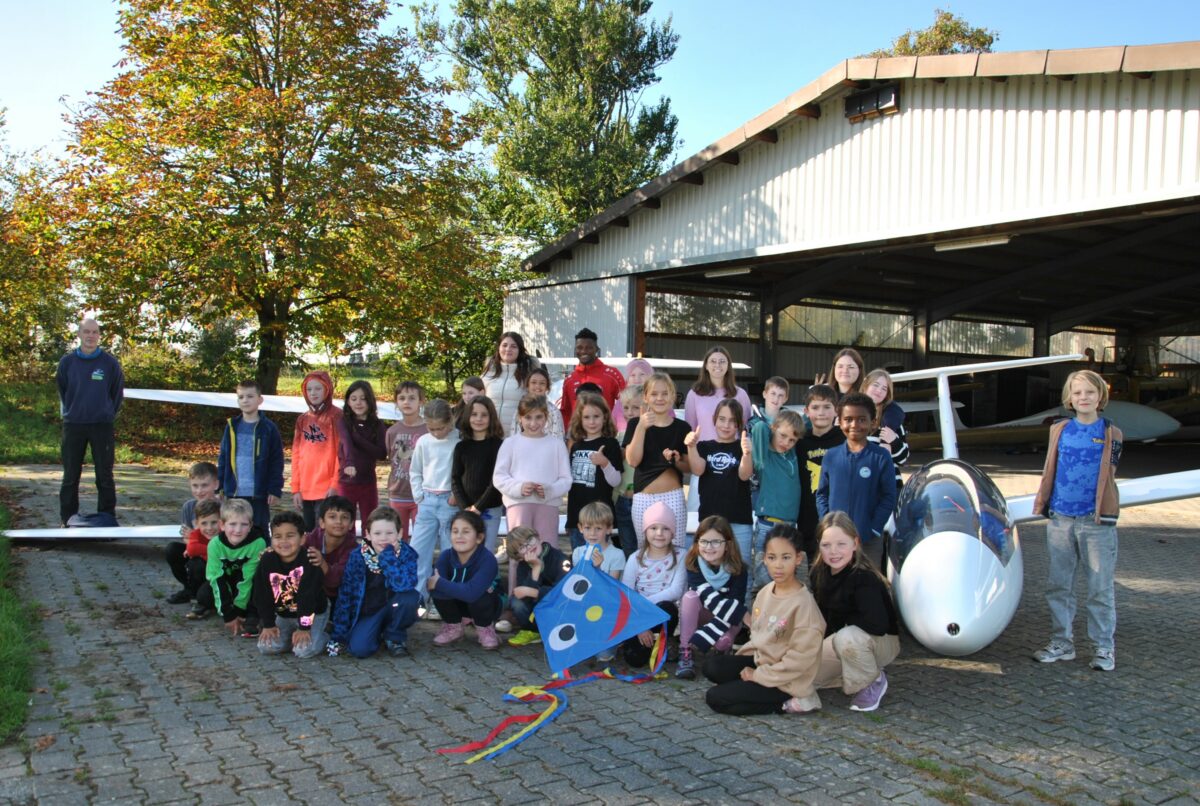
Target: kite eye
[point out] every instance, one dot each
(563, 637)
(576, 588)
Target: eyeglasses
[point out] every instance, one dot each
(711, 544)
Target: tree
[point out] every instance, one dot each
(948, 34)
(278, 160)
(557, 86)
(35, 305)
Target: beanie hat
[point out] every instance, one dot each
(659, 513)
(638, 362)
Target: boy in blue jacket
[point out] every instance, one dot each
(250, 464)
(377, 600)
(463, 585)
(858, 477)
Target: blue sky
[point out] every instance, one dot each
(735, 58)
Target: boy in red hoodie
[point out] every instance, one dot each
(315, 447)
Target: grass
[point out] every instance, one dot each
(16, 635)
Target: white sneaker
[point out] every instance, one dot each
(1105, 660)
(1054, 651)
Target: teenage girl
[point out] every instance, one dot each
(532, 475)
(776, 672)
(715, 383)
(888, 428)
(595, 458)
(721, 470)
(539, 384)
(716, 580)
(657, 572)
(861, 631)
(506, 374)
(475, 462)
(361, 444)
(845, 375)
(654, 445)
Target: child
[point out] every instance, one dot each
(463, 584)
(289, 592)
(330, 544)
(232, 561)
(862, 634)
(636, 373)
(532, 476)
(188, 561)
(596, 524)
(820, 405)
(654, 445)
(595, 459)
(776, 671)
(715, 384)
(1078, 493)
(776, 391)
(400, 439)
(204, 482)
(377, 600)
(471, 388)
(888, 428)
(845, 376)
(315, 447)
(539, 384)
(474, 463)
(657, 572)
(716, 594)
(631, 404)
(722, 468)
(361, 444)
(858, 478)
(432, 458)
(250, 463)
(539, 567)
(780, 479)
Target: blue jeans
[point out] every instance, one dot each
(287, 626)
(625, 531)
(1070, 540)
(388, 623)
(491, 526)
(431, 534)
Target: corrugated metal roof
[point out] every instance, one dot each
(805, 103)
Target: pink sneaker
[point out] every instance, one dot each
(487, 637)
(448, 634)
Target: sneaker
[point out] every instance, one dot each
(397, 649)
(686, 670)
(794, 706)
(505, 622)
(448, 634)
(1055, 650)
(487, 637)
(251, 629)
(1105, 660)
(198, 611)
(525, 638)
(607, 656)
(179, 597)
(869, 698)
(431, 613)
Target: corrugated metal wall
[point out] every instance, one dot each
(550, 317)
(967, 152)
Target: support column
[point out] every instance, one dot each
(768, 333)
(637, 318)
(1041, 337)
(920, 346)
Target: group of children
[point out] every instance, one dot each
(776, 494)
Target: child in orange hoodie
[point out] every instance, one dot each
(315, 447)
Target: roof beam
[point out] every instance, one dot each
(1080, 314)
(1169, 323)
(947, 305)
(813, 279)
(730, 158)
(696, 178)
(766, 136)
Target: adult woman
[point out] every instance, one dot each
(506, 376)
(846, 374)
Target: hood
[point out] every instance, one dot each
(326, 381)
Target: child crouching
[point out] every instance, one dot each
(463, 584)
(539, 567)
(657, 572)
(712, 612)
(377, 600)
(776, 671)
(289, 592)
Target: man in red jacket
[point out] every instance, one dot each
(590, 370)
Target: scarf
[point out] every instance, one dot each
(717, 579)
(370, 558)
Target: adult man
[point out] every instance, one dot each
(91, 387)
(590, 370)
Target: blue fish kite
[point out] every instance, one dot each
(587, 612)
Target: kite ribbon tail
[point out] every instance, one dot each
(496, 731)
(556, 708)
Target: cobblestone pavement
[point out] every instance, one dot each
(135, 704)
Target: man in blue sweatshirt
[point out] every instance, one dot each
(91, 387)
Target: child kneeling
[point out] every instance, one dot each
(463, 584)
(377, 600)
(289, 593)
(862, 634)
(776, 671)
